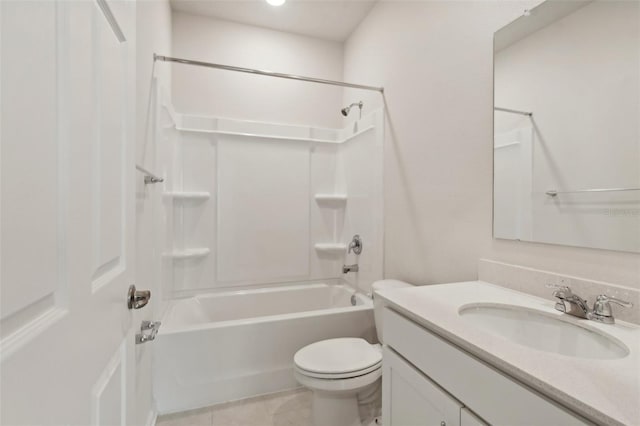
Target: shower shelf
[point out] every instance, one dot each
(189, 253)
(197, 195)
(330, 247)
(331, 198)
(275, 137)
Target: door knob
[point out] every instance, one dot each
(137, 299)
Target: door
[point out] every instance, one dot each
(66, 211)
(409, 398)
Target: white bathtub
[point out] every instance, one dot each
(233, 345)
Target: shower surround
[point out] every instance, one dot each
(258, 218)
(254, 204)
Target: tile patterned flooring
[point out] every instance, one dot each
(290, 408)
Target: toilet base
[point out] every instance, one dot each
(331, 409)
(336, 402)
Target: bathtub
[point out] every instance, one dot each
(237, 344)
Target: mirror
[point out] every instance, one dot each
(566, 125)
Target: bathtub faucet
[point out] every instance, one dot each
(350, 268)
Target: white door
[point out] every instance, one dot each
(66, 211)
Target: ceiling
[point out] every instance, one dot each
(537, 18)
(328, 19)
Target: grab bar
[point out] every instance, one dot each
(513, 111)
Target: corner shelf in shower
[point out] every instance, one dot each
(332, 248)
(195, 196)
(189, 253)
(331, 199)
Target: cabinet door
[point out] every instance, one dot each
(467, 418)
(409, 398)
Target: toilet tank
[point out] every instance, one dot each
(378, 304)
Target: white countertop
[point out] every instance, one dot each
(604, 391)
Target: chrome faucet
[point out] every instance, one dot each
(569, 303)
(356, 246)
(572, 304)
(350, 268)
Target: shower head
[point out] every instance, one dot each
(345, 110)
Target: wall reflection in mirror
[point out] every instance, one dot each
(566, 125)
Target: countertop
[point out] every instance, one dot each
(603, 391)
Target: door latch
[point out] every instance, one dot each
(148, 331)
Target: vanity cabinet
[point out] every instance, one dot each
(427, 381)
(412, 398)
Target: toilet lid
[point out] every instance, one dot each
(337, 356)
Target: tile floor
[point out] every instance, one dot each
(290, 408)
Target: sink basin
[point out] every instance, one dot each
(543, 331)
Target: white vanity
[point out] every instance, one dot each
(474, 353)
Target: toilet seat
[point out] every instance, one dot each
(329, 376)
(341, 358)
(349, 384)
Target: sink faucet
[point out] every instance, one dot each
(568, 302)
(572, 304)
(350, 268)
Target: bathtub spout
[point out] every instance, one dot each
(350, 268)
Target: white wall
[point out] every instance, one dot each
(580, 76)
(435, 61)
(220, 93)
(153, 35)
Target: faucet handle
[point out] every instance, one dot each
(603, 300)
(355, 244)
(561, 290)
(558, 287)
(602, 308)
(623, 303)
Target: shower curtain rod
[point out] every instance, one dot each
(514, 111)
(267, 73)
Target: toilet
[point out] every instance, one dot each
(340, 372)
